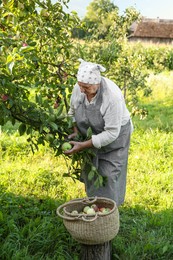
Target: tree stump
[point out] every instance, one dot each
(96, 252)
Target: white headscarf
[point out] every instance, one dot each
(89, 72)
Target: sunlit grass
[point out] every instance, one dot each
(32, 186)
(151, 170)
(161, 85)
(159, 105)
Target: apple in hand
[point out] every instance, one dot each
(66, 146)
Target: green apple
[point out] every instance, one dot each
(49, 137)
(74, 212)
(86, 209)
(91, 211)
(66, 146)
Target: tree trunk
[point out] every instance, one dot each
(96, 252)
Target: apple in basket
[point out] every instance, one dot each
(104, 210)
(94, 206)
(86, 209)
(91, 211)
(74, 212)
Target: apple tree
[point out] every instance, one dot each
(36, 68)
(37, 72)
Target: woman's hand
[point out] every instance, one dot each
(78, 146)
(74, 134)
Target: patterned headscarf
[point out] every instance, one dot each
(89, 72)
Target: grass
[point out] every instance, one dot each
(32, 187)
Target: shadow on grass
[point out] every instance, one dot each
(30, 229)
(144, 234)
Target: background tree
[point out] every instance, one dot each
(108, 33)
(98, 18)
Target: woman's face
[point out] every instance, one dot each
(88, 89)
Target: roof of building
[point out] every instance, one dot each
(153, 28)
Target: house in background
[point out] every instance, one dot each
(152, 30)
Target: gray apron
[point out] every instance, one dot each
(111, 160)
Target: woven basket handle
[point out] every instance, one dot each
(62, 216)
(89, 220)
(84, 200)
(80, 216)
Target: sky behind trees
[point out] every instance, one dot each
(148, 8)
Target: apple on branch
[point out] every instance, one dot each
(4, 97)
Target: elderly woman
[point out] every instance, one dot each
(98, 103)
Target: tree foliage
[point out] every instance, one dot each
(105, 25)
(38, 65)
(98, 18)
(103, 20)
(35, 44)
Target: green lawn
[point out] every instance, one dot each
(32, 187)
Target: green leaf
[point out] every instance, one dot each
(89, 132)
(165, 248)
(59, 110)
(29, 130)
(9, 59)
(22, 129)
(39, 99)
(93, 168)
(10, 67)
(1, 216)
(91, 175)
(53, 125)
(98, 182)
(26, 49)
(51, 110)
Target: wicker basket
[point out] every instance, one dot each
(90, 229)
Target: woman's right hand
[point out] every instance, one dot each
(78, 146)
